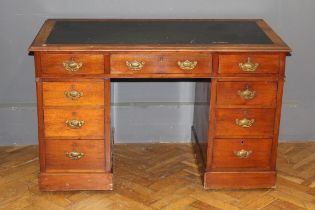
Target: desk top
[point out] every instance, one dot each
(213, 35)
(157, 32)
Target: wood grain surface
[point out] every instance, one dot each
(56, 127)
(92, 159)
(52, 64)
(224, 154)
(267, 63)
(226, 122)
(229, 94)
(92, 93)
(160, 63)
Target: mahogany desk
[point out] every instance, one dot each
(237, 135)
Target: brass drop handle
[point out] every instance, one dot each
(246, 94)
(74, 124)
(245, 123)
(74, 155)
(248, 66)
(73, 94)
(72, 66)
(187, 65)
(135, 65)
(242, 153)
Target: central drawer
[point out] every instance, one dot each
(74, 123)
(160, 63)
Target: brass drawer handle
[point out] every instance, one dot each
(72, 66)
(73, 94)
(187, 65)
(246, 94)
(248, 66)
(245, 123)
(75, 124)
(135, 65)
(74, 155)
(242, 153)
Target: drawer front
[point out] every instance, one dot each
(188, 64)
(247, 93)
(249, 64)
(70, 155)
(72, 64)
(135, 64)
(244, 122)
(242, 153)
(74, 123)
(73, 93)
(160, 64)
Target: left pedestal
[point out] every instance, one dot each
(73, 105)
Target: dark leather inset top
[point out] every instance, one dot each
(157, 32)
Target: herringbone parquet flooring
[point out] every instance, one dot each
(159, 176)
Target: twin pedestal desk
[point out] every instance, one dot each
(243, 62)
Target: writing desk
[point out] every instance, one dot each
(237, 133)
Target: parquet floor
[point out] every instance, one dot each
(159, 176)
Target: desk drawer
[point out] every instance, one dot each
(249, 64)
(160, 64)
(247, 93)
(188, 64)
(242, 153)
(74, 123)
(71, 155)
(244, 122)
(73, 93)
(72, 64)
